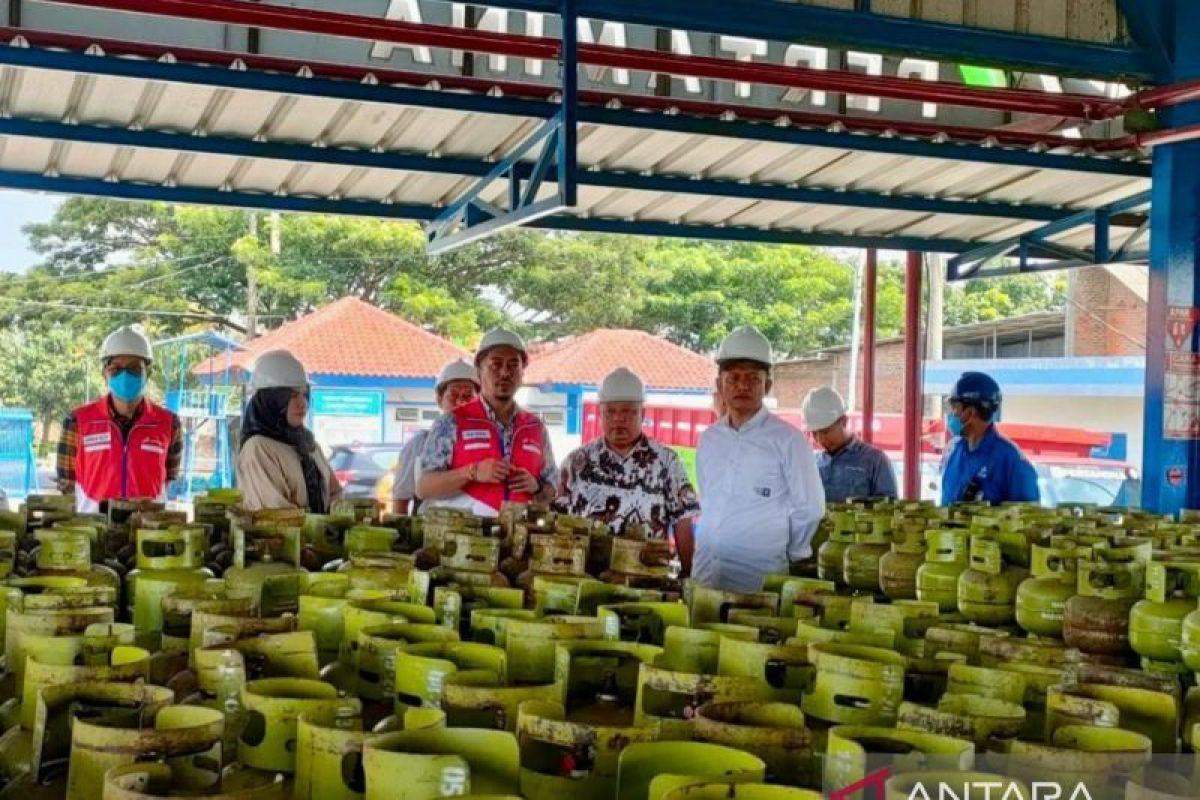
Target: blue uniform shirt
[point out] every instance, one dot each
(857, 470)
(998, 468)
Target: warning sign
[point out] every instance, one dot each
(1175, 476)
(1181, 384)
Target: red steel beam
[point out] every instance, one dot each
(870, 291)
(325, 69)
(912, 377)
(240, 12)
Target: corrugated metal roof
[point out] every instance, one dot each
(202, 132)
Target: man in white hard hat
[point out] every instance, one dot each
(121, 446)
(759, 487)
(849, 466)
(489, 451)
(625, 478)
(457, 383)
(279, 464)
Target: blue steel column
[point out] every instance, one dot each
(1170, 479)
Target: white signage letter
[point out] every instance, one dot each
(535, 25)
(681, 45)
(406, 11)
(811, 57)
(612, 34)
(743, 50)
(873, 64)
(926, 71)
(493, 19)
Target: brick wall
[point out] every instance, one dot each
(1108, 318)
(794, 380)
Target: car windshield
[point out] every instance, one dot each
(1081, 484)
(340, 459)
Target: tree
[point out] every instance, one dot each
(47, 371)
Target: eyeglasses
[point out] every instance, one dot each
(133, 369)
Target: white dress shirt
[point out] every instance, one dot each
(761, 500)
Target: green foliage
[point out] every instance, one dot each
(101, 255)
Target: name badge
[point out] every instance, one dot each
(469, 435)
(97, 441)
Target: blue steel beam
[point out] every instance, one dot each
(1147, 21)
(1171, 456)
(1037, 243)
(225, 78)
(775, 20)
(448, 165)
(93, 187)
(469, 219)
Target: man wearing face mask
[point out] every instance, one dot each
(121, 446)
(761, 496)
(490, 450)
(983, 465)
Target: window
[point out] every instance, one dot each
(406, 414)
(553, 417)
(430, 414)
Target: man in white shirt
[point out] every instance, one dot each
(761, 496)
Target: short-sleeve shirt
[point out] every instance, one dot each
(995, 470)
(856, 470)
(648, 486)
(438, 456)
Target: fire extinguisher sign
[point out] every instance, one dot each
(1181, 383)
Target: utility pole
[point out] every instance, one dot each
(252, 286)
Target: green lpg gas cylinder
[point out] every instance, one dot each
(946, 558)
(1042, 598)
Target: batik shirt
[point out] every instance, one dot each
(647, 487)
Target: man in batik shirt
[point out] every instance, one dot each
(626, 479)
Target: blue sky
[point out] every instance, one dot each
(16, 209)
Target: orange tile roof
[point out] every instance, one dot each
(349, 337)
(586, 360)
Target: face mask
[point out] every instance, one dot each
(954, 425)
(127, 387)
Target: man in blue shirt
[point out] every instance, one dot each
(849, 466)
(983, 465)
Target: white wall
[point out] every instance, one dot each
(397, 431)
(1110, 414)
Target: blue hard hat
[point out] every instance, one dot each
(977, 389)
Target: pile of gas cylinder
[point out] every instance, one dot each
(278, 654)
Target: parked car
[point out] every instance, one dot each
(1061, 479)
(359, 467)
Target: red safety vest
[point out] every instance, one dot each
(108, 466)
(479, 438)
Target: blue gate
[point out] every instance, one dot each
(18, 470)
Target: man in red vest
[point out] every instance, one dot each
(121, 446)
(489, 450)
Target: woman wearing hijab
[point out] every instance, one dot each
(279, 463)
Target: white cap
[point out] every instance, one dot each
(127, 341)
(500, 337)
(746, 344)
(457, 370)
(622, 386)
(822, 407)
(278, 369)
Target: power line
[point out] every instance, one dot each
(200, 316)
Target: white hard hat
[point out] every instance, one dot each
(457, 370)
(746, 344)
(622, 386)
(500, 337)
(278, 369)
(127, 341)
(822, 407)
